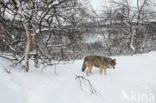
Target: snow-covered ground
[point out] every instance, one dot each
(133, 81)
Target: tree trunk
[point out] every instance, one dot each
(35, 49)
(26, 66)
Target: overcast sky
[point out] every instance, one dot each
(96, 4)
(99, 4)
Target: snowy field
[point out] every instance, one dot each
(132, 81)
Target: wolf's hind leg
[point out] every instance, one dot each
(89, 69)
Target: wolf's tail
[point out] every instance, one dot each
(83, 66)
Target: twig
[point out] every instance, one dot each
(20, 60)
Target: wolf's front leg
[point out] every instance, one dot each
(101, 69)
(105, 71)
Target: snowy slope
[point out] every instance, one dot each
(133, 81)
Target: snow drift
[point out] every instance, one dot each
(132, 81)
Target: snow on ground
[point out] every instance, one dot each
(133, 81)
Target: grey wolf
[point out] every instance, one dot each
(98, 61)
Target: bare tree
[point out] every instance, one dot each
(122, 18)
(134, 21)
(43, 29)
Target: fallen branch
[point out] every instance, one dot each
(11, 59)
(86, 82)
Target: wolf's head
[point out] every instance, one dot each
(112, 63)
